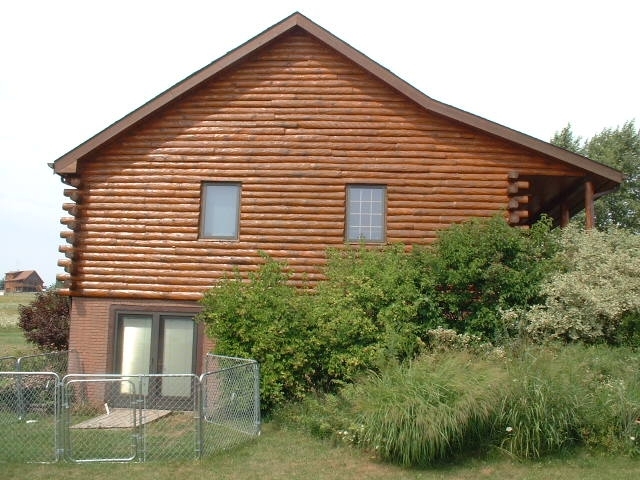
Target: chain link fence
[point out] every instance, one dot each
(29, 417)
(46, 417)
(55, 362)
(230, 402)
(8, 364)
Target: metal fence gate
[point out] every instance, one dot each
(96, 418)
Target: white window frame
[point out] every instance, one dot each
(228, 227)
(366, 213)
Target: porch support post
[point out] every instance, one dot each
(565, 215)
(590, 216)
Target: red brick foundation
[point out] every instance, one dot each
(92, 334)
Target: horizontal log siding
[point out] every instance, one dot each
(294, 123)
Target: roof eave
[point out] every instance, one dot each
(67, 164)
(454, 113)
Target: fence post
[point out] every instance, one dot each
(256, 398)
(140, 436)
(199, 410)
(59, 421)
(20, 390)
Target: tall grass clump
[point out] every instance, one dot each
(561, 396)
(528, 402)
(540, 412)
(429, 410)
(610, 396)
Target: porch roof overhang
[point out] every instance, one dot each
(551, 194)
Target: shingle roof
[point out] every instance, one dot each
(21, 274)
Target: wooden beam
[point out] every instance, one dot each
(518, 186)
(517, 216)
(70, 222)
(589, 210)
(73, 193)
(71, 208)
(565, 214)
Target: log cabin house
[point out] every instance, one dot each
(289, 144)
(23, 281)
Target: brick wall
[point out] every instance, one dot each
(92, 333)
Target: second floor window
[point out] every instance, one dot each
(220, 210)
(366, 212)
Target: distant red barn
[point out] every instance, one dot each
(23, 281)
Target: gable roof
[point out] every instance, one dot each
(21, 275)
(608, 177)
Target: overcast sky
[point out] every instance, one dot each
(68, 69)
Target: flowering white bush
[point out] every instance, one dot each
(446, 339)
(598, 285)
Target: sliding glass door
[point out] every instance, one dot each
(154, 343)
(176, 354)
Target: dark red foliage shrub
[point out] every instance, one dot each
(45, 320)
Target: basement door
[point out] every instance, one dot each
(155, 343)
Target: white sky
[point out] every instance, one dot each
(68, 69)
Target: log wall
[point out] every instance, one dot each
(295, 123)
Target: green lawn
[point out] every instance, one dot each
(279, 454)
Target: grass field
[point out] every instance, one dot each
(9, 307)
(12, 341)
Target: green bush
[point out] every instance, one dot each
(365, 314)
(377, 305)
(371, 308)
(484, 266)
(595, 297)
(628, 333)
(265, 320)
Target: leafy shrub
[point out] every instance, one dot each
(362, 316)
(628, 333)
(371, 308)
(484, 266)
(264, 320)
(596, 295)
(45, 320)
(376, 305)
(446, 339)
